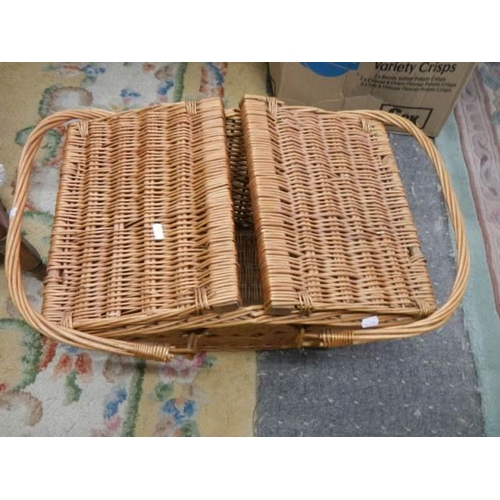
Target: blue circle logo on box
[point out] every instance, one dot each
(330, 69)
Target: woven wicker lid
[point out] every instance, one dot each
(143, 222)
(334, 229)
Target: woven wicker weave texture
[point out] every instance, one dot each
(111, 287)
(121, 175)
(246, 243)
(333, 224)
(134, 294)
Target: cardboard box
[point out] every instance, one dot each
(424, 92)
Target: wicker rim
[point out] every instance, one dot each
(164, 352)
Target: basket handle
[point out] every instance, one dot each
(443, 313)
(158, 352)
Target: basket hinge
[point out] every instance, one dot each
(191, 107)
(201, 303)
(326, 339)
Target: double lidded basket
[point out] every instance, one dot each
(184, 227)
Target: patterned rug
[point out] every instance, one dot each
(470, 145)
(49, 389)
(478, 117)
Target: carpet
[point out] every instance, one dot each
(443, 383)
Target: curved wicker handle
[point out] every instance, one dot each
(158, 352)
(439, 317)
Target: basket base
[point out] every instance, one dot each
(254, 338)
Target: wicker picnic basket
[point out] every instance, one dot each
(184, 227)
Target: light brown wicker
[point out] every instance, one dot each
(334, 228)
(318, 235)
(121, 176)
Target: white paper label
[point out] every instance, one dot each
(12, 212)
(158, 232)
(369, 322)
